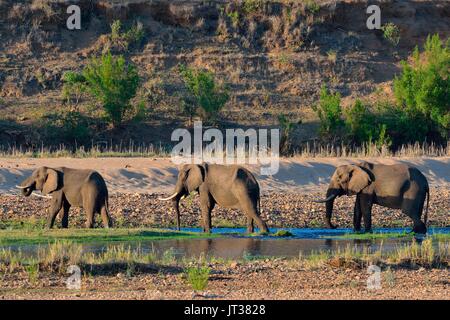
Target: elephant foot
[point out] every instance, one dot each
(420, 228)
(368, 230)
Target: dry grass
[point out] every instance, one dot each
(56, 257)
(308, 150)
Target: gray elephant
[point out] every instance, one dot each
(70, 187)
(228, 186)
(393, 186)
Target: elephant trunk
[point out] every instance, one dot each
(331, 195)
(27, 186)
(179, 193)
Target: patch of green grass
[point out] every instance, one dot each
(37, 236)
(198, 277)
(386, 235)
(441, 236)
(375, 235)
(23, 224)
(282, 233)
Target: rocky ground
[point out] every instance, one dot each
(275, 279)
(278, 209)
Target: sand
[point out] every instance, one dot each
(158, 175)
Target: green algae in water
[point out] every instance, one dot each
(20, 237)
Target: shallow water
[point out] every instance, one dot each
(235, 244)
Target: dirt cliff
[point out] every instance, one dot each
(274, 55)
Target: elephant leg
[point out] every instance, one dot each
(89, 209)
(207, 204)
(357, 215)
(250, 225)
(106, 219)
(366, 204)
(249, 207)
(65, 214)
(55, 207)
(413, 209)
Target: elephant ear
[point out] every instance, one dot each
(195, 177)
(359, 180)
(51, 181)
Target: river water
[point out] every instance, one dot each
(235, 244)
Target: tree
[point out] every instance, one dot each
(204, 92)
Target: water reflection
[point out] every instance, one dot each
(304, 243)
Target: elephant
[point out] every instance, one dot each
(396, 186)
(70, 187)
(228, 186)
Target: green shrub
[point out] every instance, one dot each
(287, 127)
(423, 88)
(391, 33)
(198, 277)
(312, 6)
(113, 83)
(73, 88)
(32, 270)
(252, 6)
(234, 17)
(133, 36)
(364, 126)
(204, 92)
(70, 126)
(329, 112)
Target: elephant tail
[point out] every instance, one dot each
(425, 216)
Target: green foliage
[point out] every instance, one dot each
(312, 6)
(287, 127)
(32, 270)
(421, 112)
(234, 16)
(423, 88)
(133, 36)
(73, 88)
(329, 112)
(362, 126)
(71, 126)
(391, 33)
(252, 6)
(113, 83)
(198, 277)
(204, 92)
(283, 234)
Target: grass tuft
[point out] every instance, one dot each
(198, 277)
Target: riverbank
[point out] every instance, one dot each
(411, 272)
(278, 209)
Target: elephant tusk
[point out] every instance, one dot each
(21, 187)
(41, 195)
(168, 198)
(326, 200)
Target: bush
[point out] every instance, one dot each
(365, 126)
(287, 127)
(391, 33)
(198, 277)
(423, 88)
(329, 112)
(203, 92)
(70, 126)
(132, 37)
(113, 83)
(73, 88)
